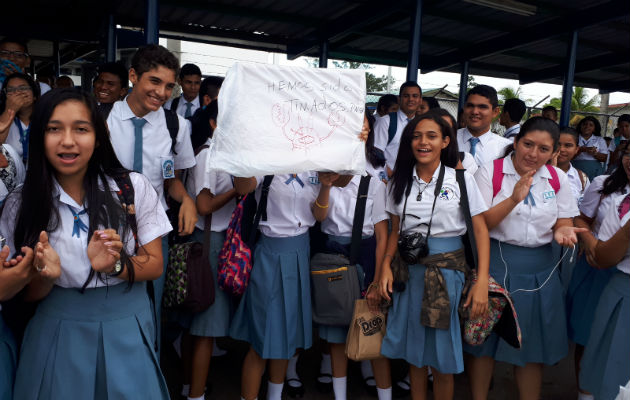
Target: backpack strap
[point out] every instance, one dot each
(261, 210)
(497, 177)
(172, 124)
(198, 150)
(555, 180)
(462, 155)
(359, 217)
(461, 181)
(393, 126)
(175, 103)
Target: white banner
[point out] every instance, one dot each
(279, 120)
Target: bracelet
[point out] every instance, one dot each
(388, 255)
(372, 285)
(319, 205)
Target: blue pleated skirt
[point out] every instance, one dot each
(606, 362)
(541, 314)
(93, 345)
(274, 315)
(585, 289)
(407, 338)
(592, 168)
(214, 321)
(8, 360)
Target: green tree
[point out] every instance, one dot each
(579, 101)
(509, 93)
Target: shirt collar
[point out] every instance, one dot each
(434, 178)
(508, 169)
(153, 118)
(195, 101)
(483, 138)
(514, 128)
(402, 116)
(64, 197)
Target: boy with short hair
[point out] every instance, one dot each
(111, 83)
(481, 107)
(16, 50)
(188, 102)
(510, 117)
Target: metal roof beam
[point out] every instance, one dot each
(576, 20)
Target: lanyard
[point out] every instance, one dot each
(23, 138)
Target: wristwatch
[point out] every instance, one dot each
(118, 269)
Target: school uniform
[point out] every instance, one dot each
(606, 362)
(512, 132)
(587, 283)
(215, 320)
(469, 164)
(578, 185)
(406, 337)
(338, 227)
(12, 176)
(523, 239)
(97, 343)
(489, 147)
(586, 162)
(182, 106)
(18, 138)
(158, 161)
(274, 315)
(381, 136)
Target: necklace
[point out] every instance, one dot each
(421, 189)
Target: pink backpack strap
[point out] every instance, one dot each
(497, 177)
(554, 181)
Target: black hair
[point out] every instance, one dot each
(406, 161)
(189, 69)
(432, 102)
(515, 109)
(37, 211)
(200, 124)
(623, 118)
(386, 101)
(618, 179)
(409, 84)
(444, 113)
(598, 126)
(486, 91)
(371, 151)
(536, 124)
(17, 75)
(570, 131)
(210, 86)
(17, 40)
(117, 69)
(550, 108)
(153, 56)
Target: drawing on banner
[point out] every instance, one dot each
(298, 127)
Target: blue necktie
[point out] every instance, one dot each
(78, 224)
(23, 138)
(138, 123)
(297, 179)
(473, 145)
(530, 199)
(188, 112)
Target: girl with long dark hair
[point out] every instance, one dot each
(593, 148)
(93, 333)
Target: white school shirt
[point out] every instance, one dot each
(469, 163)
(181, 106)
(342, 203)
(20, 172)
(576, 183)
(512, 131)
(448, 218)
(289, 205)
(594, 205)
(378, 173)
(13, 139)
(156, 143)
(489, 148)
(611, 224)
(381, 135)
(593, 141)
(75, 264)
(528, 225)
(217, 182)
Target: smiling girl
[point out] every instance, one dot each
(92, 335)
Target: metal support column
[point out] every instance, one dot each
(413, 62)
(56, 59)
(152, 22)
(323, 54)
(463, 85)
(567, 85)
(110, 56)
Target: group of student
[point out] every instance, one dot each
(86, 239)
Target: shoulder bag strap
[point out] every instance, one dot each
(261, 210)
(459, 175)
(436, 193)
(359, 217)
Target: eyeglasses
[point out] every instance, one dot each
(17, 54)
(16, 89)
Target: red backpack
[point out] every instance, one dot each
(497, 177)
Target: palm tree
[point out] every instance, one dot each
(579, 101)
(509, 93)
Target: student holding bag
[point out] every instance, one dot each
(425, 207)
(93, 333)
(531, 203)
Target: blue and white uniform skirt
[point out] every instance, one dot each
(606, 362)
(339, 334)
(214, 321)
(407, 338)
(93, 345)
(592, 168)
(8, 360)
(585, 289)
(541, 313)
(274, 315)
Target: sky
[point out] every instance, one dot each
(216, 60)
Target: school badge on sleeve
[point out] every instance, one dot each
(168, 167)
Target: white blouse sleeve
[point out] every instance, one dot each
(476, 202)
(567, 205)
(150, 215)
(390, 206)
(379, 201)
(592, 197)
(483, 178)
(7, 221)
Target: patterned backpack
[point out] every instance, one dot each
(235, 258)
